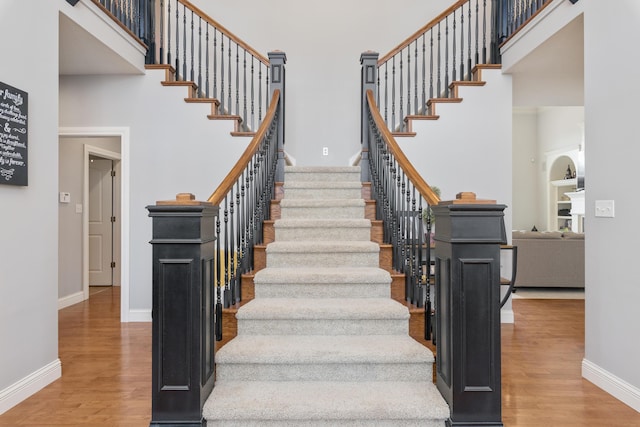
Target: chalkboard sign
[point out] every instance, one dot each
(13, 135)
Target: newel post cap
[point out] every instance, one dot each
(467, 198)
(183, 199)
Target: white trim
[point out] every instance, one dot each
(29, 385)
(125, 183)
(140, 315)
(507, 316)
(69, 300)
(617, 387)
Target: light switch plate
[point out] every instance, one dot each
(605, 208)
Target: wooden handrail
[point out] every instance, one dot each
(227, 183)
(228, 33)
(421, 185)
(421, 31)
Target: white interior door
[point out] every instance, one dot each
(100, 224)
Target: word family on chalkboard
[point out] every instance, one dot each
(13, 135)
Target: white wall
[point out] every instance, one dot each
(612, 349)
(29, 215)
(173, 149)
(323, 68)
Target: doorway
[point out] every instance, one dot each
(78, 146)
(102, 221)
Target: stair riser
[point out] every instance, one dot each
(322, 327)
(322, 212)
(322, 291)
(325, 193)
(320, 259)
(366, 371)
(323, 234)
(328, 423)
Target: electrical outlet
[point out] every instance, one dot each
(325, 151)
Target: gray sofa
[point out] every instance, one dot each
(549, 259)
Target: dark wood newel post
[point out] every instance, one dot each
(183, 320)
(369, 62)
(467, 256)
(277, 60)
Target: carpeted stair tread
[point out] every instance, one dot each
(315, 185)
(312, 349)
(293, 403)
(322, 282)
(321, 203)
(322, 223)
(322, 309)
(319, 247)
(323, 275)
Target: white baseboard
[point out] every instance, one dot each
(70, 300)
(610, 383)
(140, 315)
(29, 385)
(507, 316)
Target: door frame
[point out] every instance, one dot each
(123, 157)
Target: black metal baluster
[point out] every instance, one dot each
(446, 57)
(423, 106)
(244, 87)
(206, 67)
(222, 110)
(431, 66)
(477, 33)
(218, 273)
(229, 83)
(200, 92)
(177, 42)
(238, 81)
(484, 31)
(393, 93)
(462, 75)
(453, 56)
(386, 93)
(184, 42)
(408, 82)
(233, 285)
(192, 75)
(252, 93)
(215, 64)
(227, 292)
(161, 60)
(469, 67)
(400, 102)
(239, 253)
(266, 92)
(415, 80)
(438, 93)
(260, 92)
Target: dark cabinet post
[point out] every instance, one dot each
(277, 60)
(468, 236)
(183, 320)
(368, 80)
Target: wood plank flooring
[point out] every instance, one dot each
(107, 371)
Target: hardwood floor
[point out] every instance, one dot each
(107, 371)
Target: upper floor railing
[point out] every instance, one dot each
(445, 50)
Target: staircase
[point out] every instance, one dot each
(322, 343)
